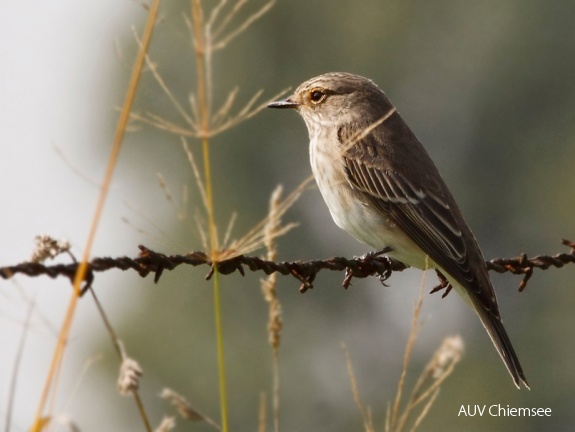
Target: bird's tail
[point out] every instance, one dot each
(500, 339)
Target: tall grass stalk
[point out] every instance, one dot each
(201, 48)
(51, 379)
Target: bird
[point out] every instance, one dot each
(383, 188)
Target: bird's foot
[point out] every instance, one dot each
(375, 253)
(369, 264)
(443, 284)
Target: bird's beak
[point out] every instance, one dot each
(284, 103)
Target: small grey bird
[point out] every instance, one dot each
(382, 187)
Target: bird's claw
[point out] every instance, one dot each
(365, 267)
(443, 284)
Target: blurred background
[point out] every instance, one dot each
(486, 86)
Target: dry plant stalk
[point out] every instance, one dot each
(40, 420)
(185, 408)
(272, 228)
(425, 391)
(365, 412)
(427, 387)
(362, 133)
(259, 236)
(407, 356)
(262, 414)
(166, 425)
(199, 121)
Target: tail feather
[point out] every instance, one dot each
(491, 320)
(500, 339)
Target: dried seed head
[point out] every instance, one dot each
(130, 374)
(167, 424)
(48, 247)
(448, 353)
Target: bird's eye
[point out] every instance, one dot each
(317, 96)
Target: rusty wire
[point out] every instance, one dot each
(372, 264)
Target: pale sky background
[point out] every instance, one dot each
(56, 59)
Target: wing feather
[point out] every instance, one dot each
(417, 201)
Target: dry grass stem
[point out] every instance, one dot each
(153, 68)
(256, 237)
(56, 364)
(193, 104)
(202, 232)
(227, 19)
(179, 208)
(77, 170)
(231, 35)
(230, 227)
(273, 223)
(393, 421)
(224, 121)
(275, 323)
(17, 363)
(262, 414)
(166, 425)
(226, 106)
(165, 188)
(185, 408)
(361, 134)
(365, 412)
(204, 91)
(438, 369)
(200, 123)
(196, 171)
(150, 221)
(408, 349)
(78, 382)
(425, 409)
(427, 386)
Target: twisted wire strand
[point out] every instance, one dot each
(372, 264)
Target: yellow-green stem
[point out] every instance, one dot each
(220, 342)
(216, 279)
(200, 49)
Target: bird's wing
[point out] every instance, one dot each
(418, 201)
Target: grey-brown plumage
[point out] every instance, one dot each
(381, 186)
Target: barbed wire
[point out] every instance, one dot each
(371, 264)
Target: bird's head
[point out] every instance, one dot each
(336, 98)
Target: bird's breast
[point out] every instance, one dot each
(353, 210)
